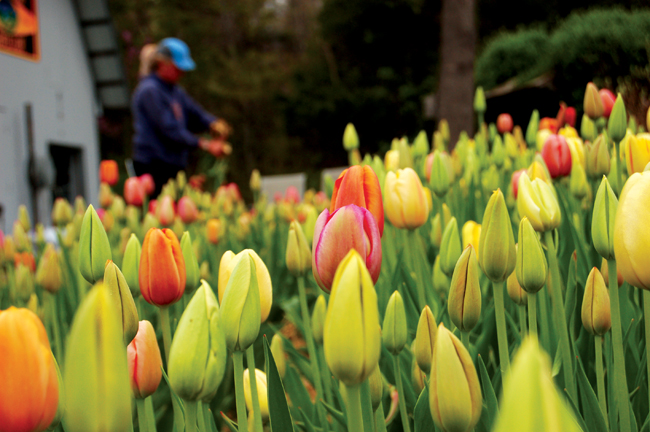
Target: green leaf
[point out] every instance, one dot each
(179, 409)
(308, 426)
(594, 417)
(231, 425)
(297, 392)
(422, 413)
(576, 413)
(489, 395)
(279, 415)
(336, 414)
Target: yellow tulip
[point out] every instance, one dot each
(260, 377)
(536, 201)
(405, 203)
(471, 233)
(577, 149)
(637, 152)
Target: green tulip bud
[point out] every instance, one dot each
(23, 243)
(122, 299)
(510, 143)
(277, 349)
(632, 125)
(531, 268)
(96, 378)
(425, 340)
(94, 247)
(439, 180)
(298, 252)
(394, 328)
(598, 157)
(454, 392)
(492, 132)
(352, 336)
(198, 355)
(131, 264)
(450, 248)
(241, 314)
(596, 312)
(464, 302)
(350, 138)
(421, 145)
(498, 151)
(578, 181)
(602, 223)
(318, 319)
(440, 280)
(443, 128)
(530, 399)
(23, 218)
(491, 179)
(497, 254)
(617, 123)
(587, 128)
(376, 383)
(438, 141)
(404, 151)
(436, 230)
(150, 221)
(531, 130)
(192, 273)
(479, 100)
(24, 282)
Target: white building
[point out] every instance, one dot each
(73, 72)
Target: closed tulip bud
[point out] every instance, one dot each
(464, 303)
(440, 280)
(588, 129)
(187, 210)
(21, 239)
(455, 396)
(450, 248)
(105, 196)
(162, 268)
(96, 373)
(603, 221)
(608, 98)
(504, 123)
(421, 144)
(491, 179)
(122, 300)
(439, 176)
(350, 138)
(438, 141)
(359, 185)
(260, 377)
(593, 104)
(61, 212)
(24, 282)
(541, 137)
(498, 152)
(404, 200)
(352, 336)
(205, 270)
(134, 191)
(425, 340)
(443, 128)
(318, 319)
(255, 182)
(497, 254)
(32, 305)
(537, 202)
(531, 269)
(617, 123)
(637, 152)
(376, 383)
(631, 238)
(277, 349)
(198, 355)
(557, 156)
(118, 208)
(29, 393)
(131, 264)
(531, 130)
(479, 100)
(213, 230)
(94, 246)
(9, 249)
(471, 234)
(192, 274)
(108, 172)
(48, 274)
(145, 362)
(598, 158)
(596, 312)
(298, 254)
(165, 210)
(394, 331)
(23, 218)
(515, 291)
(404, 151)
(578, 181)
(391, 160)
(437, 226)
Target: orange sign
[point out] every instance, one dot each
(19, 29)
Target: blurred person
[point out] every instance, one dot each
(166, 118)
(147, 58)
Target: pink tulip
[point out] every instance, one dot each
(147, 183)
(187, 210)
(144, 361)
(133, 191)
(291, 195)
(152, 206)
(349, 227)
(165, 211)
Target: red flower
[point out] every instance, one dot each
(108, 172)
(134, 191)
(557, 156)
(359, 185)
(608, 99)
(504, 123)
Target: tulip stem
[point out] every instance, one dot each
(311, 349)
(620, 378)
(325, 374)
(464, 338)
(366, 407)
(238, 363)
(545, 337)
(412, 241)
(257, 417)
(201, 417)
(166, 331)
(646, 319)
(355, 419)
(522, 321)
(402, 400)
(600, 378)
(54, 320)
(532, 314)
(559, 317)
(190, 416)
(502, 332)
(617, 155)
(380, 420)
(151, 417)
(142, 415)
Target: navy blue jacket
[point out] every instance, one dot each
(165, 120)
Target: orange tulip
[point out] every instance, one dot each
(359, 185)
(29, 394)
(213, 228)
(162, 268)
(108, 172)
(26, 259)
(144, 361)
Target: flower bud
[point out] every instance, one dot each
(255, 182)
(454, 392)
(515, 291)
(96, 373)
(198, 355)
(134, 191)
(277, 349)
(603, 221)
(145, 362)
(421, 144)
(404, 151)
(394, 331)
(604, 270)
(537, 202)
(471, 234)
(122, 300)
(48, 274)
(192, 274)
(617, 124)
(588, 129)
(464, 303)
(298, 254)
(531, 130)
(437, 226)
(531, 269)
(21, 239)
(350, 138)
(425, 339)
(578, 181)
(105, 196)
(9, 249)
(23, 218)
(598, 158)
(596, 313)
(504, 123)
(162, 268)
(94, 247)
(260, 378)
(61, 212)
(318, 319)
(637, 152)
(439, 178)
(607, 97)
(131, 264)
(497, 254)
(376, 383)
(593, 104)
(213, 230)
(108, 172)
(352, 336)
(450, 248)
(405, 203)
(479, 100)
(187, 210)
(440, 280)
(498, 151)
(24, 282)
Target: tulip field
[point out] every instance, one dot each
(497, 283)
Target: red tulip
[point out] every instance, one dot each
(133, 191)
(557, 156)
(515, 181)
(162, 268)
(504, 123)
(570, 116)
(147, 183)
(165, 211)
(187, 210)
(153, 205)
(291, 195)
(359, 185)
(608, 99)
(108, 172)
(350, 227)
(144, 361)
(548, 123)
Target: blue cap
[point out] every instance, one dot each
(178, 52)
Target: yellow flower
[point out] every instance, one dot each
(535, 200)
(637, 152)
(405, 203)
(471, 233)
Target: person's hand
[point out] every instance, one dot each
(216, 147)
(220, 129)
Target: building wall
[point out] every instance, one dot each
(61, 90)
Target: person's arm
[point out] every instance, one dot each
(198, 120)
(161, 115)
